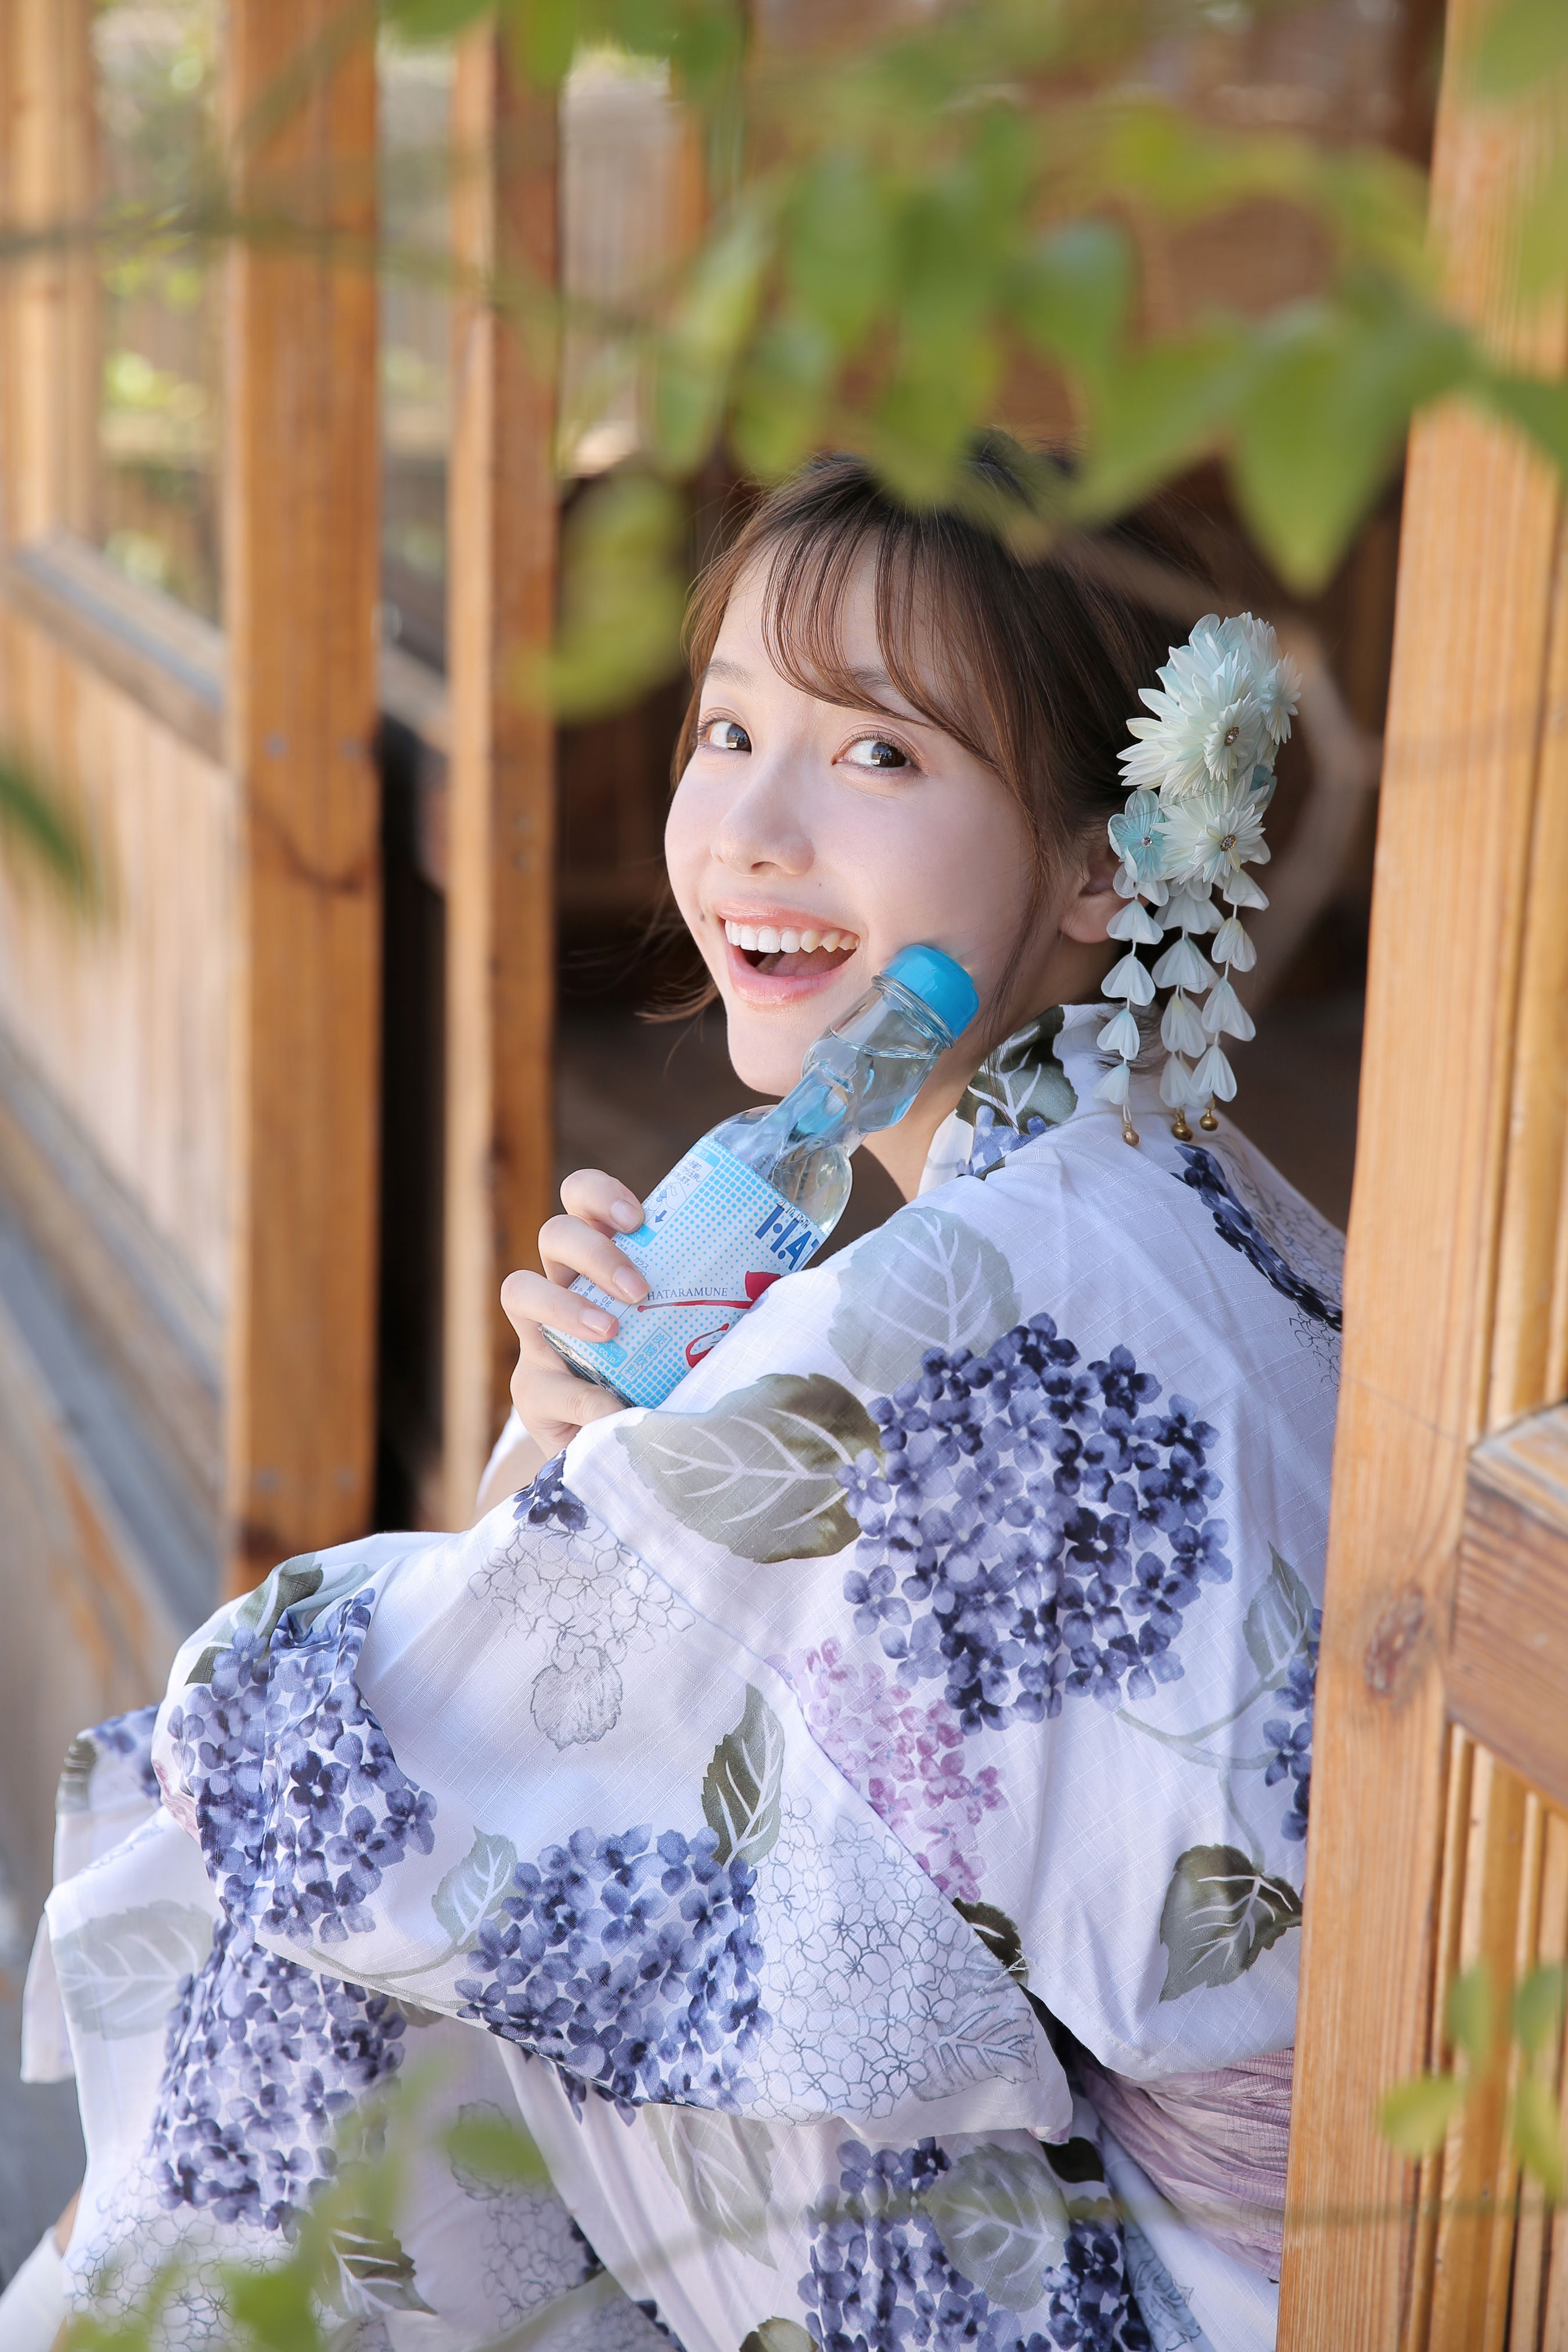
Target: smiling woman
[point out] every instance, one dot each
(854, 1812)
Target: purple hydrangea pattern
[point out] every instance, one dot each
(262, 2059)
(903, 1755)
(1035, 1528)
(129, 1737)
(879, 2281)
(630, 1961)
(1292, 1741)
(299, 1804)
(1239, 1227)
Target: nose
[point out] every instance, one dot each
(760, 831)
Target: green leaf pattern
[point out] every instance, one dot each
(1003, 2222)
(1221, 1913)
(722, 2165)
(118, 1975)
(742, 1786)
(758, 1472)
(927, 1280)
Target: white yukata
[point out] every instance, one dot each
(738, 1804)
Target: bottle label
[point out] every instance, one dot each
(715, 1235)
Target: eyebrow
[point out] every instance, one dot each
(878, 686)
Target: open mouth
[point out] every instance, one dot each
(785, 953)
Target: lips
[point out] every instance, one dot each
(770, 964)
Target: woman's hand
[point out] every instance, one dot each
(552, 1403)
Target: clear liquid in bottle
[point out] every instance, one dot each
(760, 1192)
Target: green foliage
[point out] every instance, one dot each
(1469, 2014)
(41, 833)
(1415, 2116)
(343, 2260)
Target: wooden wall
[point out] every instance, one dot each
(128, 1018)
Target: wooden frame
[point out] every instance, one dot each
(1421, 1854)
(301, 538)
(501, 814)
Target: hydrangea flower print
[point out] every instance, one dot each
(880, 2281)
(262, 2059)
(1292, 1741)
(299, 1803)
(548, 1501)
(1036, 1530)
(1237, 1225)
(632, 1963)
(130, 1737)
(904, 1757)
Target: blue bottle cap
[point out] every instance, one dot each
(941, 985)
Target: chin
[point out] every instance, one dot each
(767, 1063)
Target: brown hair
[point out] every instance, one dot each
(1045, 651)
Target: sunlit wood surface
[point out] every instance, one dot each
(1420, 1854)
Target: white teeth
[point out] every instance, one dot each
(767, 939)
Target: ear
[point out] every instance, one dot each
(1092, 900)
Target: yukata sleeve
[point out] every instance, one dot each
(513, 1776)
(107, 1790)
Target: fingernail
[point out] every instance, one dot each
(631, 1285)
(625, 1215)
(594, 1318)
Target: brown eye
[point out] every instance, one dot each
(876, 751)
(723, 735)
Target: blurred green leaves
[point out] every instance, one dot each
(901, 221)
(42, 836)
(1416, 2116)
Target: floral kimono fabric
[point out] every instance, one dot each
(740, 1802)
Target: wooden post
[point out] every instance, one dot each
(49, 160)
(501, 916)
(300, 557)
(1449, 1317)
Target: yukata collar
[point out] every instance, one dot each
(1036, 1080)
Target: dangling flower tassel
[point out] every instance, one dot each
(1121, 1034)
(1214, 1075)
(1199, 776)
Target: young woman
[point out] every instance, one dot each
(854, 1814)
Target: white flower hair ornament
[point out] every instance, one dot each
(1202, 774)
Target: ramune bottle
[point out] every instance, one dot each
(760, 1192)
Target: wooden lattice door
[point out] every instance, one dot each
(1442, 1721)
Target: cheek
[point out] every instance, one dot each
(686, 844)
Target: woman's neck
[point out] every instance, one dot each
(1072, 976)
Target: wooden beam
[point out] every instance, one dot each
(48, 154)
(1440, 1120)
(500, 917)
(301, 556)
(1507, 1671)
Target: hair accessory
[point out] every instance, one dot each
(1202, 775)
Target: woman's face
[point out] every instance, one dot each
(808, 843)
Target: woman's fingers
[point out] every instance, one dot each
(568, 1247)
(603, 1201)
(558, 1404)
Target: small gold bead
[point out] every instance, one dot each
(1129, 1132)
(1208, 1119)
(1179, 1129)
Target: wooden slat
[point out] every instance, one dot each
(48, 155)
(502, 507)
(301, 534)
(169, 659)
(1508, 1672)
(1472, 660)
